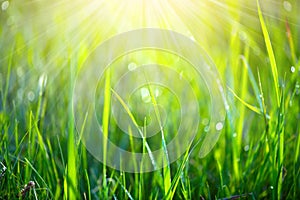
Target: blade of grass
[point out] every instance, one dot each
(72, 148)
(58, 187)
(253, 108)
(280, 153)
(166, 170)
(10, 58)
(136, 125)
(41, 141)
(270, 52)
(296, 160)
(31, 144)
(37, 173)
(237, 143)
(252, 81)
(176, 177)
(65, 196)
(124, 188)
(137, 183)
(88, 184)
(61, 152)
(262, 99)
(105, 125)
(291, 42)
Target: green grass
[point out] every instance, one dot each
(256, 48)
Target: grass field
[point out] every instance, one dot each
(255, 46)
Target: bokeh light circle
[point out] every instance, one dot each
(94, 71)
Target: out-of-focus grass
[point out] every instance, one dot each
(256, 49)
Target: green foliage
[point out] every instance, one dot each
(43, 46)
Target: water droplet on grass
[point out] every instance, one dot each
(219, 126)
(157, 92)
(30, 96)
(246, 148)
(243, 36)
(181, 75)
(145, 95)
(287, 6)
(206, 129)
(20, 72)
(293, 69)
(42, 83)
(5, 5)
(227, 107)
(132, 66)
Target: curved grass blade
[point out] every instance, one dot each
(270, 52)
(253, 82)
(136, 125)
(166, 170)
(253, 108)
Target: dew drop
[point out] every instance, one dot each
(157, 92)
(5, 5)
(42, 83)
(234, 135)
(219, 126)
(20, 72)
(181, 75)
(30, 96)
(287, 6)
(132, 66)
(246, 148)
(206, 129)
(293, 69)
(271, 187)
(243, 36)
(145, 95)
(111, 180)
(227, 107)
